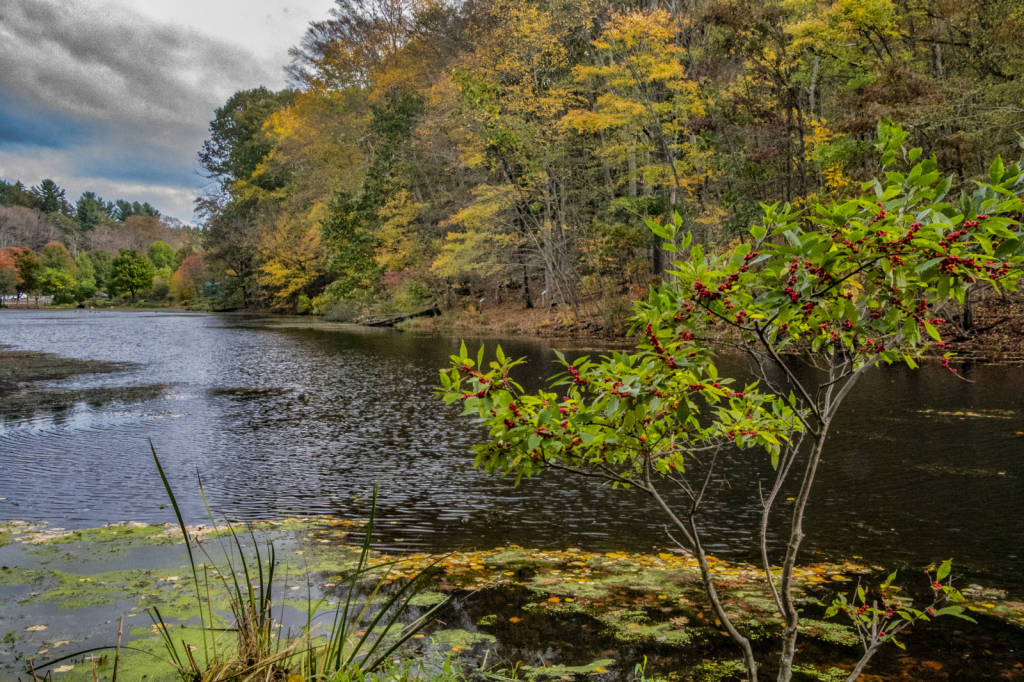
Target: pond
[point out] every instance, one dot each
(287, 417)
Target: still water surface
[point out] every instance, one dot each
(922, 465)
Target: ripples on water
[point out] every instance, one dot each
(921, 466)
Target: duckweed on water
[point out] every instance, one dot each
(576, 606)
(538, 673)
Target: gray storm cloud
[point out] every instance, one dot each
(123, 91)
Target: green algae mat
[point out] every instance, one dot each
(555, 615)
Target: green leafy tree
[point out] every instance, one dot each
(236, 145)
(847, 287)
(101, 263)
(86, 289)
(131, 272)
(161, 254)
(8, 282)
(350, 229)
(61, 284)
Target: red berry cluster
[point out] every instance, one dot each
(658, 348)
(576, 378)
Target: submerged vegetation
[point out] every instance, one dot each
(515, 612)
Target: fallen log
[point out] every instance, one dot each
(390, 321)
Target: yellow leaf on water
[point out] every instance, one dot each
(458, 649)
(417, 636)
(296, 678)
(508, 573)
(513, 619)
(554, 600)
(360, 633)
(64, 669)
(599, 669)
(36, 628)
(568, 600)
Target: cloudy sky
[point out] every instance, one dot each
(115, 96)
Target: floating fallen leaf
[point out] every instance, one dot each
(85, 580)
(360, 633)
(513, 619)
(36, 628)
(569, 600)
(458, 649)
(170, 578)
(599, 669)
(554, 600)
(680, 621)
(64, 669)
(417, 636)
(296, 678)
(508, 573)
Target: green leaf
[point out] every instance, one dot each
(996, 170)
(943, 570)
(932, 331)
(943, 288)
(683, 410)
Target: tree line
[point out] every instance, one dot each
(514, 148)
(75, 252)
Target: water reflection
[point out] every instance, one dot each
(922, 465)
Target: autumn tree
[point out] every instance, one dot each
(8, 275)
(29, 270)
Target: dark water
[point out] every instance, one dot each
(905, 481)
